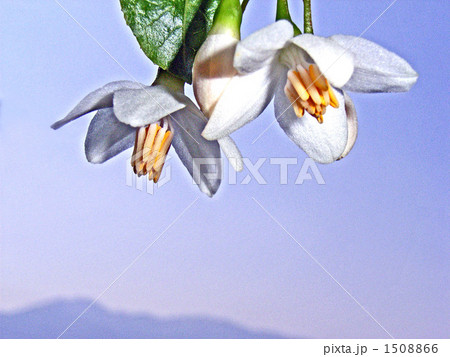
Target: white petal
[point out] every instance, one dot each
(100, 98)
(189, 145)
(232, 153)
(334, 61)
(140, 107)
(107, 137)
(212, 70)
(325, 142)
(376, 69)
(261, 47)
(244, 99)
(352, 125)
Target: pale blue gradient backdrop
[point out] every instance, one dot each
(379, 225)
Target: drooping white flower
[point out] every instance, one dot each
(308, 75)
(212, 70)
(152, 118)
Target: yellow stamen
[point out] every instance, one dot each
(134, 156)
(298, 85)
(139, 145)
(308, 90)
(151, 146)
(161, 158)
(333, 100)
(289, 93)
(152, 131)
(311, 110)
(155, 149)
(306, 79)
(296, 103)
(317, 77)
(298, 109)
(322, 99)
(326, 98)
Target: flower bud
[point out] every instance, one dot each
(212, 70)
(213, 64)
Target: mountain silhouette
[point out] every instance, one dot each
(51, 319)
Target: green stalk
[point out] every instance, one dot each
(283, 14)
(169, 80)
(308, 26)
(227, 19)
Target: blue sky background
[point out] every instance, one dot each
(379, 225)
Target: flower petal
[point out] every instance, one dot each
(144, 106)
(232, 153)
(352, 125)
(100, 98)
(376, 69)
(244, 99)
(212, 70)
(107, 137)
(190, 145)
(333, 60)
(325, 142)
(261, 47)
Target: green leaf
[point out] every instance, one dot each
(170, 30)
(196, 35)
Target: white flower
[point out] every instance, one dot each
(211, 72)
(308, 75)
(152, 118)
(213, 69)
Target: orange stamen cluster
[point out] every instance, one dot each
(150, 150)
(309, 90)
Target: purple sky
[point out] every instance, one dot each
(378, 226)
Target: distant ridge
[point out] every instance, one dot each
(50, 319)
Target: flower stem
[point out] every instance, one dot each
(308, 26)
(169, 80)
(244, 5)
(283, 14)
(227, 19)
